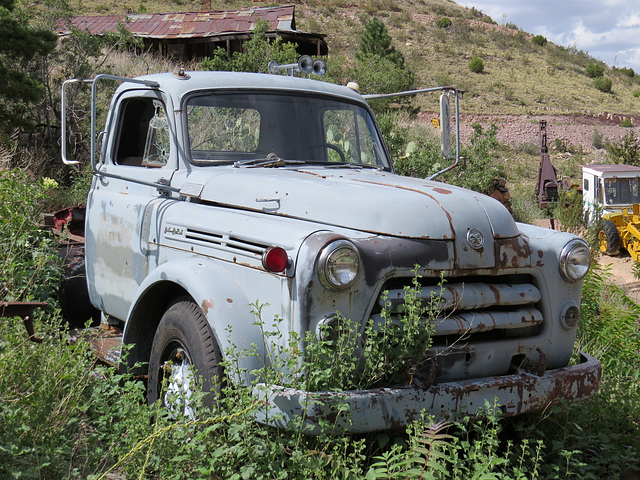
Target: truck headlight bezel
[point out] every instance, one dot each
(575, 260)
(338, 265)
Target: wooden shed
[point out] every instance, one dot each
(194, 35)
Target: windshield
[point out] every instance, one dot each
(249, 127)
(622, 191)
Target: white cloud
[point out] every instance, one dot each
(607, 29)
(632, 21)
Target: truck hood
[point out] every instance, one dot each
(366, 200)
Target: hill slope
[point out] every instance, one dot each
(519, 78)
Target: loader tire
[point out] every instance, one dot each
(609, 238)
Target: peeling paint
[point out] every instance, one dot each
(207, 305)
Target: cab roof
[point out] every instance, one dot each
(178, 85)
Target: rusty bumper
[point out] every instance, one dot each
(392, 408)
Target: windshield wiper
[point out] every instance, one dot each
(354, 165)
(272, 160)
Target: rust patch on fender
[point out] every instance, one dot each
(229, 300)
(443, 191)
(206, 305)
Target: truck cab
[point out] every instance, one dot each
(215, 191)
(610, 187)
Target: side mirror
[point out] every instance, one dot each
(445, 125)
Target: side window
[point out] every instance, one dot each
(599, 191)
(143, 139)
(585, 185)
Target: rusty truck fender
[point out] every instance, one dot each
(211, 286)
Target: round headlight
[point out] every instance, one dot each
(338, 264)
(575, 260)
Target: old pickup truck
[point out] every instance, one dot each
(216, 190)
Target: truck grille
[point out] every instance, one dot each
(478, 308)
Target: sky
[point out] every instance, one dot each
(608, 30)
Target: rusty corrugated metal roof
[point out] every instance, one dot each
(189, 24)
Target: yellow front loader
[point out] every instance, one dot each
(621, 230)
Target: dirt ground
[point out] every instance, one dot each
(573, 130)
(622, 272)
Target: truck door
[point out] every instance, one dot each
(120, 242)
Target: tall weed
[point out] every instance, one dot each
(29, 267)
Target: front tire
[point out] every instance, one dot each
(609, 238)
(184, 354)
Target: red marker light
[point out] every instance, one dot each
(275, 259)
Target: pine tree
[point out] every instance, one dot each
(376, 41)
(20, 45)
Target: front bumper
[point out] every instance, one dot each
(361, 411)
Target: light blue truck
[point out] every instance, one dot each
(214, 190)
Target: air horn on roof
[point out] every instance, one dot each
(306, 65)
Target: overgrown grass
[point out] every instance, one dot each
(74, 419)
(64, 416)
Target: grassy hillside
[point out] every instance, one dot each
(519, 77)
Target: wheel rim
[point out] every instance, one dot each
(178, 381)
(602, 241)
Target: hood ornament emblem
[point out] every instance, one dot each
(475, 238)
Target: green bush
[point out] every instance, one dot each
(636, 93)
(444, 22)
(476, 65)
(29, 266)
(627, 123)
(421, 159)
(627, 150)
(627, 71)
(539, 40)
(63, 416)
(597, 139)
(603, 84)
(257, 54)
(594, 70)
(481, 173)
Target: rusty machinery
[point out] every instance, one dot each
(548, 186)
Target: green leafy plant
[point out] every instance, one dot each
(626, 150)
(604, 84)
(480, 173)
(421, 159)
(443, 22)
(476, 65)
(19, 71)
(539, 40)
(594, 70)
(568, 210)
(627, 123)
(597, 139)
(257, 54)
(629, 72)
(29, 266)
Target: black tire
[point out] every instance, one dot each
(184, 343)
(609, 238)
